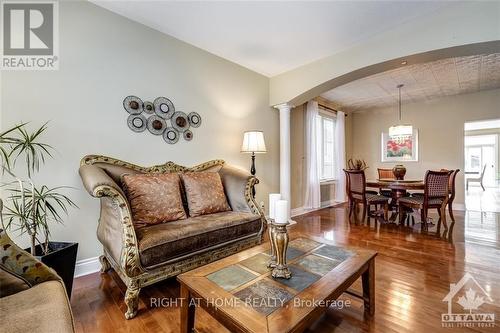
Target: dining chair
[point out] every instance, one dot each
(385, 174)
(357, 194)
(436, 195)
(452, 188)
(477, 180)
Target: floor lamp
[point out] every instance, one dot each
(253, 142)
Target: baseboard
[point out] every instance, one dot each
(298, 211)
(87, 266)
(301, 210)
(328, 203)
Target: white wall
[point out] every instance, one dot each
(105, 57)
(440, 124)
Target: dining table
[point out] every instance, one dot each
(399, 188)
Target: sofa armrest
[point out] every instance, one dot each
(23, 265)
(94, 178)
(116, 208)
(238, 185)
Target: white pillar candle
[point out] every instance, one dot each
(273, 197)
(281, 211)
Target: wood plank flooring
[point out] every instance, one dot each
(413, 275)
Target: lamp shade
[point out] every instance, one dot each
(253, 142)
(400, 130)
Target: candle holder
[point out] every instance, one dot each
(279, 241)
(270, 230)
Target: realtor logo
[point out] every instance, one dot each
(29, 35)
(469, 294)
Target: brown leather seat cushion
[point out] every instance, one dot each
(42, 308)
(161, 242)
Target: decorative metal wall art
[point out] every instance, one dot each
(160, 118)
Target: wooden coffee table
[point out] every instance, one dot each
(240, 293)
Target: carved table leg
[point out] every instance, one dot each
(187, 311)
(132, 300)
(368, 282)
(105, 265)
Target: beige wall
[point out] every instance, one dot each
(441, 132)
(105, 57)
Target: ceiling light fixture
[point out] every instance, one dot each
(400, 133)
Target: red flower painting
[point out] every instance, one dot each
(396, 149)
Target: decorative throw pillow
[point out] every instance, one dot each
(154, 198)
(204, 193)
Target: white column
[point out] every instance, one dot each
(285, 151)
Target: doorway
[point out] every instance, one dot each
(481, 151)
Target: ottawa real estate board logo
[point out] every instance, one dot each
(30, 35)
(469, 294)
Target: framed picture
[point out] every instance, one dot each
(393, 151)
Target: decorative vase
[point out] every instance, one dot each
(399, 171)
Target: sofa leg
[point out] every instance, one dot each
(132, 301)
(105, 265)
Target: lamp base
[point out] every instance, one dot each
(253, 172)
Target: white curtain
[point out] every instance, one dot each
(312, 198)
(340, 156)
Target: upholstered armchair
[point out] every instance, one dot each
(143, 256)
(32, 296)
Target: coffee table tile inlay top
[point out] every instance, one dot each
(239, 291)
(231, 277)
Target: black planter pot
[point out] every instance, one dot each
(62, 259)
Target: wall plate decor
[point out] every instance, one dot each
(180, 121)
(164, 107)
(156, 125)
(171, 135)
(148, 107)
(160, 118)
(132, 104)
(194, 119)
(137, 122)
(188, 135)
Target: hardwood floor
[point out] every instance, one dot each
(413, 275)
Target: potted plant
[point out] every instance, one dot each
(356, 164)
(31, 208)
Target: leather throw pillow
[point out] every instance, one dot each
(154, 198)
(204, 193)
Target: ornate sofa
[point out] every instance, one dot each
(32, 295)
(143, 256)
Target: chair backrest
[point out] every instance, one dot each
(436, 185)
(385, 174)
(482, 172)
(355, 183)
(451, 182)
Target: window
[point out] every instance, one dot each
(326, 147)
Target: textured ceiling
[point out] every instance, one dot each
(422, 82)
(271, 37)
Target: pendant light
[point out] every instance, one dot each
(400, 133)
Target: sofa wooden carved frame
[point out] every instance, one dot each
(129, 267)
